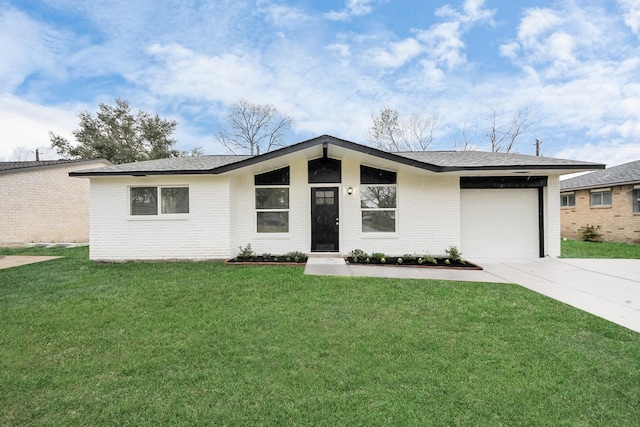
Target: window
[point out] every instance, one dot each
(636, 201)
(272, 201)
(601, 198)
(324, 170)
(378, 200)
(173, 200)
(567, 200)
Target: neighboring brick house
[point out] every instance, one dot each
(608, 198)
(40, 203)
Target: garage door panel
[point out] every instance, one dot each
(499, 223)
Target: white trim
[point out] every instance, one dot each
(600, 190)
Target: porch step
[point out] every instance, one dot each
(327, 264)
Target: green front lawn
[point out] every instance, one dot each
(210, 344)
(578, 249)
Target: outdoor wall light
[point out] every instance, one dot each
(350, 190)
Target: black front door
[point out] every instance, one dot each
(324, 219)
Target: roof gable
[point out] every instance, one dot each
(627, 173)
(434, 161)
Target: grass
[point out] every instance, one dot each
(211, 344)
(578, 249)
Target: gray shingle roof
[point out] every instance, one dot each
(477, 159)
(628, 173)
(188, 164)
(436, 161)
(9, 167)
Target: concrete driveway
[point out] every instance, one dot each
(608, 288)
(18, 260)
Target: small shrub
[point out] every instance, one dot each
(245, 252)
(447, 261)
(453, 253)
(358, 254)
(296, 256)
(430, 260)
(590, 233)
(378, 256)
(400, 261)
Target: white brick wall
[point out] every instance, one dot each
(202, 234)
(222, 216)
(45, 205)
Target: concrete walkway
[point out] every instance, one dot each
(608, 288)
(18, 260)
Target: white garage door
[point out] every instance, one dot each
(500, 223)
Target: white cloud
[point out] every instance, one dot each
(397, 54)
(185, 73)
(27, 47)
(352, 8)
(444, 44)
(631, 12)
(607, 152)
(472, 11)
(25, 124)
(284, 16)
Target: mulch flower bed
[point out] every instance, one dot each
(415, 261)
(270, 259)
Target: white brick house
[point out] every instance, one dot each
(40, 203)
(328, 194)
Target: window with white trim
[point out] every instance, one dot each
(601, 198)
(272, 201)
(567, 200)
(378, 200)
(145, 200)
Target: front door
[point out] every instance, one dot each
(325, 219)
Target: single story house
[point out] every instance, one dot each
(329, 195)
(40, 203)
(608, 198)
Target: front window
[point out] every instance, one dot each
(636, 201)
(272, 201)
(145, 201)
(378, 200)
(567, 200)
(601, 198)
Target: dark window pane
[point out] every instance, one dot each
(325, 171)
(378, 221)
(276, 177)
(369, 175)
(567, 200)
(636, 201)
(175, 200)
(373, 197)
(273, 222)
(144, 201)
(272, 198)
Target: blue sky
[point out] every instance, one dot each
(332, 64)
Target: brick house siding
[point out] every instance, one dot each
(618, 222)
(42, 204)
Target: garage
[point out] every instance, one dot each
(499, 221)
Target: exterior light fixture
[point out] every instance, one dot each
(350, 190)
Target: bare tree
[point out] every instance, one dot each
(254, 129)
(466, 142)
(503, 134)
(21, 153)
(390, 132)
